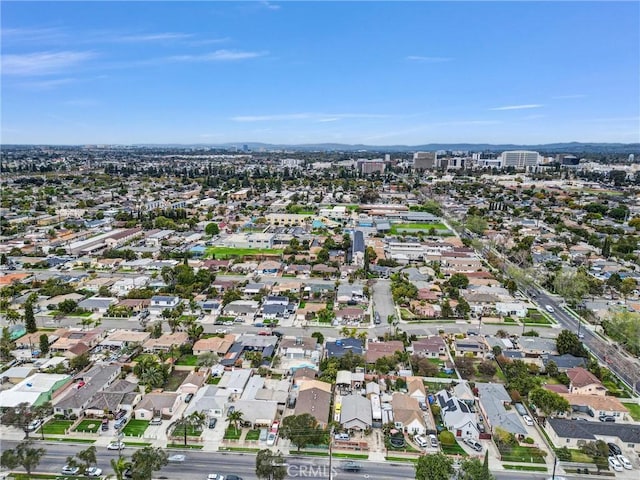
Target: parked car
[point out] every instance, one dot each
(342, 436)
(607, 418)
(156, 421)
(177, 458)
(433, 440)
(614, 449)
(351, 467)
(220, 476)
(528, 420)
(115, 446)
(421, 441)
(212, 423)
(188, 398)
(625, 462)
(615, 464)
(70, 470)
(93, 472)
(33, 426)
(423, 406)
(473, 444)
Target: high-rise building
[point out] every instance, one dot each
(520, 158)
(367, 167)
(424, 160)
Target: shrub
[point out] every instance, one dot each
(447, 438)
(563, 454)
(528, 441)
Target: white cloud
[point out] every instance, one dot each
(42, 63)
(518, 107)
(419, 58)
(270, 6)
(319, 117)
(48, 84)
(153, 37)
(217, 56)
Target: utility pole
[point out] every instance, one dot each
(330, 449)
(555, 462)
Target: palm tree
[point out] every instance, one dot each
(119, 466)
(190, 423)
(235, 417)
(195, 332)
(152, 376)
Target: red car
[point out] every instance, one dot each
(263, 333)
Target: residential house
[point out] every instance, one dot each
(210, 400)
(125, 338)
(193, 382)
(300, 348)
(424, 310)
(537, 346)
(376, 350)
(564, 362)
(431, 347)
(350, 314)
(165, 342)
(512, 309)
(574, 434)
(407, 415)
(120, 395)
(163, 302)
(492, 400)
(34, 390)
(269, 267)
(97, 304)
(355, 413)
(470, 347)
(416, 388)
(316, 402)
(244, 309)
(79, 395)
(582, 381)
(340, 347)
(217, 345)
(163, 404)
(235, 380)
(257, 412)
(457, 415)
(597, 405)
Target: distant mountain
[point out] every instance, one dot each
(571, 147)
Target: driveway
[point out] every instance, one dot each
(382, 300)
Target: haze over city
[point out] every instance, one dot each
(378, 73)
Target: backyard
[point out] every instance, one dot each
(135, 428)
(518, 453)
(220, 253)
(175, 380)
(188, 360)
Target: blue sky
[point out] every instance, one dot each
(379, 73)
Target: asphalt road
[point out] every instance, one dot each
(199, 464)
(624, 367)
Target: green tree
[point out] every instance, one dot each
(473, 469)
(606, 247)
(446, 310)
(23, 414)
(208, 359)
(319, 337)
(459, 280)
(67, 306)
(434, 467)
(29, 318)
(623, 326)
(302, 430)
(24, 455)
(6, 345)
(44, 344)
(548, 402)
(80, 362)
(119, 466)
(191, 423)
(465, 366)
(572, 285)
(88, 457)
(476, 224)
(568, 342)
(212, 229)
(270, 465)
(235, 418)
(146, 461)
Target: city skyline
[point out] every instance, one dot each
(299, 72)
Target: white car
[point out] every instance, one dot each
(93, 472)
(528, 420)
(549, 308)
(615, 464)
(624, 461)
(557, 477)
(33, 426)
(223, 331)
(115, 446)
(177, 458)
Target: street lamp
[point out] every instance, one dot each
(555, 462)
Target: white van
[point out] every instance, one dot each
(421, 441)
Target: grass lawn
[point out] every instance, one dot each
(214, 380)
(525, 468)
(137, 444)
(232, 434)
(191, 432)
(454, 449)
(188, 360)
(355, 456)
(253, 435)
(523, 454)
(181, 445)
(187, 318)
(56, 427)
(89, 426)
(579, 457)
(239, 449)
(221, 253)
(135, 428)
(634, 410)
(70, 440)
(406, 314)
(401, 459)
(175, 380)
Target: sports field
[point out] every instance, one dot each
(408, 227)
(221, 253)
